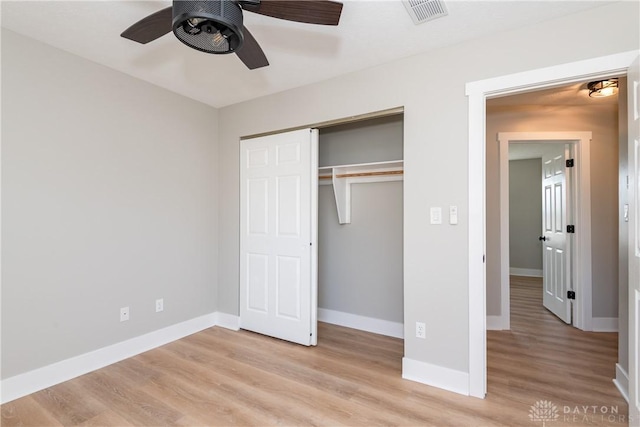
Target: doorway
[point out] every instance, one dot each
(578, 277)
(360, 225)
(613, 65)
(575, 254)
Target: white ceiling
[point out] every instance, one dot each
(576, 94)
(370, 33)
(526, 151)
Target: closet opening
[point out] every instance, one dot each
(360, 227)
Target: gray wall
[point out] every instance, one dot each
(525, 214)
(602, 121)
(435, 154)
(360, 264)
(374, 140)
(105, 204)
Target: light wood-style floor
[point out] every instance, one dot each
(221, 377)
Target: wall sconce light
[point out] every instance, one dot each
(602, 88)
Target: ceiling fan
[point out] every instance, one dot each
(216, 26)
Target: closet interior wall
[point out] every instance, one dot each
(360, 264)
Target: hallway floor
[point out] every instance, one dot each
(543, 359)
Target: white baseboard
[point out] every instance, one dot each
(436, 376)
(496, 323)
(47, 376)
(527, 272)
(604, 324)
(621, 381)
(369, 324)
(227, 321)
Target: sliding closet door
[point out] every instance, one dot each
(278, 210)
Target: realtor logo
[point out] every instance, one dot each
(543, 411)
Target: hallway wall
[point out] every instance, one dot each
(525, 215)
(602, 121)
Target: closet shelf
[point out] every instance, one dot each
(342, 176)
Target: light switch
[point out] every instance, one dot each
(453, 215)
(436, 215)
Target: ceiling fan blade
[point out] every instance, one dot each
(251, 53)
(150, 28)
(324, 12)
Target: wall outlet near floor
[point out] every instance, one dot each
(124, 314)
(420, 330)
(159, 305)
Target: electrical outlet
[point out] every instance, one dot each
(124, 314)
(420, 330)
(159, 305)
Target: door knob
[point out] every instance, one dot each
(542, 238)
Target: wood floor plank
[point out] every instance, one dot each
(353, 378)
(106, 418)
(27, 412)
(331, 383)
(244, 389)
(63, 404)
(204, 404)
(264, 391)
(130, 403)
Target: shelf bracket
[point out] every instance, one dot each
(343, 176)
(342, 192)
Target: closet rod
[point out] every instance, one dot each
(351, 175)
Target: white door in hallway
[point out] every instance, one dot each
(633, 82)
(278, 210)
(555, 248)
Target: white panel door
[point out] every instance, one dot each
(555, 256)
(277, 239)
(633, 82)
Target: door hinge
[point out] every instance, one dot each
(571, 294)
(571, 228)
(570, 163)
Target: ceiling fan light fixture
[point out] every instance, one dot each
(218, 40)
(213, 26)
(216, 26)
(603, 88)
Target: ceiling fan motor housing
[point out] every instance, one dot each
(213, 26)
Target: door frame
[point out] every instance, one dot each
(579, 186)
(477, 93)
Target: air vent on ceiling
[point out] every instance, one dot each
(425, 10)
